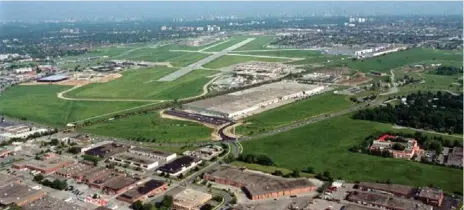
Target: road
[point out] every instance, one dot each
(185, 70)
(393, 89)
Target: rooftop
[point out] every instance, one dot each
(191, 198)
(177, 165)
(134, 158)
(7, 179)
(357, 207)
(47, 164)
(53, 78)
(240, 100)
(120, 182)
(107, 150)
(152, 151)
(257, 182)
(14, 193)
(393, 188)
(143, 189)
(386, 200)
(50, 203)
(430, 193)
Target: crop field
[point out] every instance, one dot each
(285, 53)
(402, 58)
(40, 104)
(299, 110)
(324, 146)
(229, 43)
(228, 60)
(143, 84)
(153, 128)
(258, 44)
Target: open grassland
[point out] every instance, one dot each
(259, 43)
(434, 83)
(228, 60)
(143, 84)
(153, 128)
(324, 146)
(267, 169)
(40, 104)
(285, 53)
(411, 56)
(316, 105)
(229, 43)
(164, 54)
(320, 59)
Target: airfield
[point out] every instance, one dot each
(187, 74)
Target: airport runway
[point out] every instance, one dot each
(185, 70)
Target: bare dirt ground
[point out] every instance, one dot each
(357, 79)
(334, 71)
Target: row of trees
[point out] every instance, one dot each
(257, 159)
(447, 70)
(55, 184)
(439, 111)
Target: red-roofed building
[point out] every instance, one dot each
(386, 142)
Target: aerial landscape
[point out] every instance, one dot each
(231, 105)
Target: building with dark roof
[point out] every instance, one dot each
(179, 166)
(50, 203)
(46, 166)
(395, 189)
(384, 201)
(107, 150)
(257, 185)
(143, 191)
(119, 184)
(53, 78)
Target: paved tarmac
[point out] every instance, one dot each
(185, 70)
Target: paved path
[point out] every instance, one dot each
(185, 70)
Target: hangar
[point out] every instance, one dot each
(53, 78)
(244, 103)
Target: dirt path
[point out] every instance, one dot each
(205, 89)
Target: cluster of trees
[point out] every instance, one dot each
(32, 136)
(448, 70)
(55, 184)
(257, 159)
(91, 158)
(439, 111)
(165, 204)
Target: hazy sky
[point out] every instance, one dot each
(79, 10)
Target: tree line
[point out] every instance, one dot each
(438, 111)
(447, 70)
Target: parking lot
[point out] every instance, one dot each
(197, 117)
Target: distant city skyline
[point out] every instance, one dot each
(40, 11)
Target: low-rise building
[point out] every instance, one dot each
(143, 191)
(205, 153)
(50, 203)
(455, 157)
(107, 150)
(394, 189)
(73, 170)
(179, 166)
(155, 154)
(383, 201)
(406, 149)
(18, 194)
(45, 166)
(135, 161)
(190, 199)
(430, 196)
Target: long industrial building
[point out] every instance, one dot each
(243, 103)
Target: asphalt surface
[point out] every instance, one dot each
(185, 70)
(197, 117)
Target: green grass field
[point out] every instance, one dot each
(228, 60)
(163, 54)
(152, 126)
(433, 83)
(285, 53)
(411, 56)
(324, 146)
(316, 105)
(232, 41)
(40, 104)
(258, 44)
(322, 59)
(138, 84)
(267, 169)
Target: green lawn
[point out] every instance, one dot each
(316, 105)
(258, 44)
(433, 82)
(163, 54)
(228, 60)
(267, 169)
(323, 59)
(151, 126)
(143, 84)
(324, 146)
(229, 43)
(40, 104)
(286, 53)
(411, 56)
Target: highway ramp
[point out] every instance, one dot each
(185, 70)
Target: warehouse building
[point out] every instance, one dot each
(134, 161)
(48, 203)
(143, 191)
(190, 199)
(395, 189)
(384, 201)
(179, 166)
(244, 103)
(107, 150)
(53, 78)
(18, 194)
(155, 154)
(46, 166)
(257, 185)
(430, 196)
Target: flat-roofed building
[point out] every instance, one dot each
(72, 170)
(455, 157)
(244, 103)
(155, 154)
(46, 166)
(384, 201)
(134, 160)
(179, 166)
(143, 191)
(257, 185)
(190, 199)
(7, 179)
(430, 196)
(107, 150)
(395, 189)
(119, 184)
(19, 194)
(51, 203)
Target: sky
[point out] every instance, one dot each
(30, 11)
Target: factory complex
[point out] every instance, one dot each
(247, 102)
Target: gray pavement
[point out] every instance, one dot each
(185, 70)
